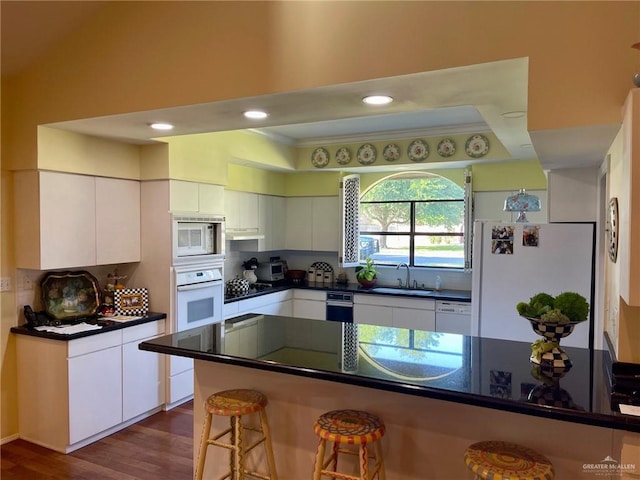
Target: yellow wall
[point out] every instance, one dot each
(248, 179)
(60, 150)
(616, 185)
(508, 176)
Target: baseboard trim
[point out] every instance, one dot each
(10, 438)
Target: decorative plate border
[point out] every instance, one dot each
(367, 154)
(391, 152)
(343, 156)
(320, 157)
(131, 301)
(446, 147)
(418, 150)
(476, 146)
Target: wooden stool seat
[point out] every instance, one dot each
(344, 428)
(235, 404)
(507, 461)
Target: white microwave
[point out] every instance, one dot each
(198, 238)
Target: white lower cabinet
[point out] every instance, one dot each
(142, 371)
(95, 393)
(395, 311)
(414, 318)
(373, 314)
(310, 304)
(72, 393)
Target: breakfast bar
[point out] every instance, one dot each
(437, 393)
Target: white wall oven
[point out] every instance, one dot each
(198, 238)
(199, 298)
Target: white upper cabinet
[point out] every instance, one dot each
(313, 223)
(325, 232)
(193, 197)
(66, 221)
(210, 198)
(241, 211)
(117, 221)
(298, 228)
(271, 222)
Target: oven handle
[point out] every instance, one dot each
(198, 286)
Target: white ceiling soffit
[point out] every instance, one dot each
(573, 147)
(470, 98)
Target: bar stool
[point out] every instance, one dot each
(508, 461)
(349, 427)
(235, 404)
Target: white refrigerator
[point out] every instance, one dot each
(514, 261)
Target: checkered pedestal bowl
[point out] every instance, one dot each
(555, 359)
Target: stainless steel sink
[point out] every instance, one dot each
(402, 291)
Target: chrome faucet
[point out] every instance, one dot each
(408, 278)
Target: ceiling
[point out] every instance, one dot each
(468, 99)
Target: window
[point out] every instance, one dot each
(415, 218)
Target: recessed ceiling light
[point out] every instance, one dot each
(161, 126)
(514, 114)
(256, 114)
(377, 100)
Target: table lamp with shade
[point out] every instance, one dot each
(522, 202)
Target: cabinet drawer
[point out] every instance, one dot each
(310, 294)
(94, 343)
(251, 304)
(395, 301)
(146, 330)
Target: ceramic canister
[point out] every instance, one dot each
(311, 275)
(328, 277)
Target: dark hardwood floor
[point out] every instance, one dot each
(157, 448)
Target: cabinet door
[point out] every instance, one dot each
(309, 309)
(285, 308)
(67, 220)
(415, 319)
(373, 315)
(142, 380)
(183, 196)
(271, 222)
(299, 223)
(326, 224)
(241, 210)
(118, 221)
(95, 393)
(210, 198)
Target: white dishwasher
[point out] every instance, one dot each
(453, 317)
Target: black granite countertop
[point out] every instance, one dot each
(104, 322)
(450, 295)
(477, 371)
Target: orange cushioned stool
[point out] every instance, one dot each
(507, 461)
(235, 404)
(349, 427)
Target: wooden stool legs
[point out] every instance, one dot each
(351, 428)
(235, 404)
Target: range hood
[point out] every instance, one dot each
(248, 234)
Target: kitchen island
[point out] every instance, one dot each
(436, 392)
